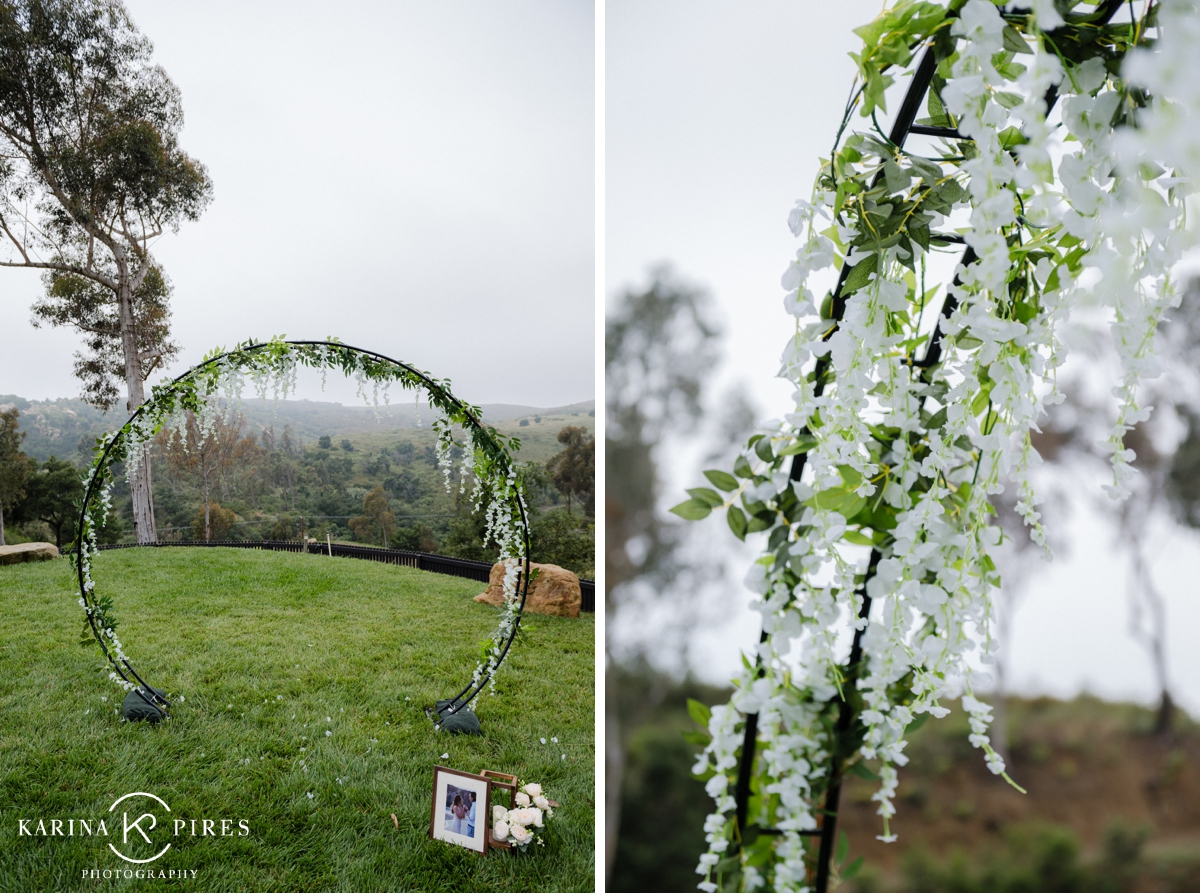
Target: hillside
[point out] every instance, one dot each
(1111, 808)
(305, 468)
(68, 427)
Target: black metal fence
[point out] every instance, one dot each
(422, 561)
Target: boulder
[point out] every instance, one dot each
(555, 591)
(27, 552)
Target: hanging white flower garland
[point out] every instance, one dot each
(901, 456)
(272, 367)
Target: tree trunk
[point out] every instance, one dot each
(2, 543)
(614, 771)
(1153, 635)
(139, 478)
(207, 513)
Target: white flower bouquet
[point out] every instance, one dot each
(523, 823)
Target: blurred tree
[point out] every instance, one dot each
(1165, 462)
(52, 495)
(663, 807)
(15, 466)
(659, 348)
(93, 174)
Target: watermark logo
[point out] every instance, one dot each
(143, 825)
(140, 828)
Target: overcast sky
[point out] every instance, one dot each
(717, 112)
(414, 178)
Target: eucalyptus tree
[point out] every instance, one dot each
(91, 174)
(660, 347)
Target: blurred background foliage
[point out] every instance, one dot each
(1114, 789)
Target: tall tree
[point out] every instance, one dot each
(377, 521)
(574, 469)
(92, 173)
(208, 457)
(659, 348)
(14, 464)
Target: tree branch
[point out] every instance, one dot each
(63, 268)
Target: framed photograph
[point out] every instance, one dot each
(462, 806)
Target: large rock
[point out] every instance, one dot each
(27, 552)
(555, 591)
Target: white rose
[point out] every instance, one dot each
(537, 817)
(501, 830)
(522, 799)
(541, 802)
(533, 790)
(520, 835)
(498, 813)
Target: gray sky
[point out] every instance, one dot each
(414, 178)
(717, 112)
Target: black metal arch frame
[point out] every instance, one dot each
(902, 127)
(124, 669)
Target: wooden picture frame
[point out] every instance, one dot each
(508, 783)
(445, 821)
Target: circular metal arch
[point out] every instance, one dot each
(123, 667)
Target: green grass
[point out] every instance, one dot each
(232, 631)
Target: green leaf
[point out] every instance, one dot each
(919, 233)
(741, 467)
(853, 868)
(737, 522)
(857, 538)
(917, 722)
(843, 848)
(1010, 137)
(711, 498)
(860, 769)
(722, 480)
(759, 523)
(850, 475)
(951, 191)
(763, 449)
(692, 510)
(1009, 100)
(980, 402)
(699, 712)
(898, 179)
(1014, 42)
(937, 111)
(692, 736)
(842, 500)
(929, 172)
(860, 275)
(802, 444)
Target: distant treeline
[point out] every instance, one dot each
(383, 487)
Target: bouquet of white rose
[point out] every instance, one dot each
(520, 826)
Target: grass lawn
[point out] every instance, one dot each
(270, 651)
